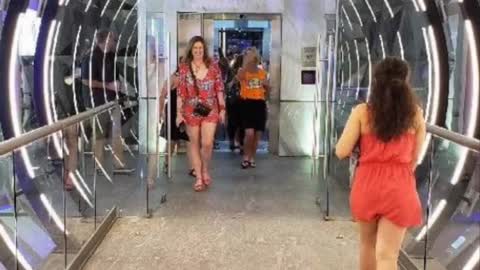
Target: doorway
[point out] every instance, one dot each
(232, 34)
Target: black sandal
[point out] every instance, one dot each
(192, 173)
(245, 164)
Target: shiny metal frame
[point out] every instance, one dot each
(470, 143)
(29, 137)
(169, 107)
(94, 241)
(323, 95)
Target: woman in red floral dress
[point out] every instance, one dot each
(200, 84)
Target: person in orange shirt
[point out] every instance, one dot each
(253, 108)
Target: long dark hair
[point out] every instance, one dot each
(223, 64)
(238, 63)
(392, 103)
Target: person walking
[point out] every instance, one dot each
(390, 130)
(253, 93)
(200, 105)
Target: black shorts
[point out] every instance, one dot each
(253, 114)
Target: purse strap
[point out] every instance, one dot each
(195, 85)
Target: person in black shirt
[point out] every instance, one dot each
(103, 85)
(98, 70)
(235, 131)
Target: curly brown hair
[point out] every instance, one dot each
(392, 103)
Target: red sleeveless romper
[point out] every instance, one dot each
(384, 182)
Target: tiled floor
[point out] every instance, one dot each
(264, 218)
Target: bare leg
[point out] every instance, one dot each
(71, 158)
(175, 147)
(256, 139)
(101, 125)
(195, 158)
(172, 150)
(207, 137)
(119, 158)
(249, 143)
(237, 139)
(189, 157)
(71, 139)
(368, 239)
(389, 242)
(99, 151)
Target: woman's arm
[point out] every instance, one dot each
(219, 89)
(266, 85)
(161, 99)
(94, 83)
(240, 74)
(179, 106)
(221, 101)
(179, 118)
(420, 134)
(350, 134)
(182, 94)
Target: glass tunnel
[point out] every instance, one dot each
(319, 56)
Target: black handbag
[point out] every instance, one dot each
(201, 109)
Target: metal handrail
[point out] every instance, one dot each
(12, 144)
(471, 143)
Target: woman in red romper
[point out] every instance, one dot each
(390, 130)
(200, 80)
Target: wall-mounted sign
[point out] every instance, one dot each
(309, 56)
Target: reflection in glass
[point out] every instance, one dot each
(7, 214)
(450, 231)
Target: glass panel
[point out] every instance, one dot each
(29, 25)
(7, 214)
(40, 203)
(368, 32)
(84, 160)
(3, 14)
(105, 157)
(156, 101)
(66, 39)
(114, 142)
(115, 154)
(339, 170)
(463, 106)
(321, 125)
(129, 192)
(452, 236)
(79, 186)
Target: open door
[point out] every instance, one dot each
(227, 30)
